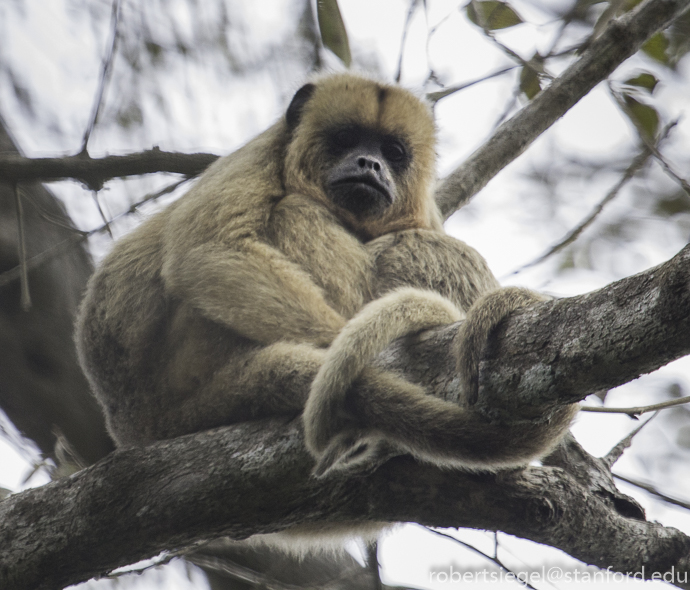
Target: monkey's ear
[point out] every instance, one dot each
(294, 111)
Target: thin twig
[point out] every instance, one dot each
(25, 299)
(505, 49)
(510, 105)
(670, 171)
(635, 166)
(80, 236)
(372, 561)
(654, 148)
(102, 214)
(492, 559)
(652, 490)
(47, 215)
(105, 74)
(434, 97)
(638, 410)
(408, 19)
(616, 452)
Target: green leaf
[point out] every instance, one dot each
(628, 5)
(656, 48)
(673, 204)
(492, 14)
(643, 116)
(530, 84)
(333, 33)
(643, 80)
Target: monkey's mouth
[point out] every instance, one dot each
(363, 183)
(362, 195)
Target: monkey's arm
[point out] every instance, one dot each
(253, 289)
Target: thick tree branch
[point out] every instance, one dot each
(94, 172)
(621, 39)
(254, 478)
(565, 348)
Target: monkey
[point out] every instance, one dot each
(272, 284)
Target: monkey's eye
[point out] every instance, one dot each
(346, 138)
(393, 151)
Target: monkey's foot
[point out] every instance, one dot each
(354, 450)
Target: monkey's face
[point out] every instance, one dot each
(365, 150)
(365, 166)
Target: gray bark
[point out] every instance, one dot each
(94, 172)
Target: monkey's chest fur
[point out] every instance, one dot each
(338, 262)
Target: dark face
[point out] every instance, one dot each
(366, 166)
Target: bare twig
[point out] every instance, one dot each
(372, 551)
(21, 252)
(652, 146)
(669, 170)
(616, 452)
(635, 166)
(105, 74)
(106, 223)
(638, 410)
(510, 105)
(436, 96)
(79, 236)
(637, 163)
(408, 20)
(652, 490)
(492, 558)
(47, 215)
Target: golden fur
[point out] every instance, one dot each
(256, 294)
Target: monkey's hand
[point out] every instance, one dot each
(482, 319)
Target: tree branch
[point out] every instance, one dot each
(621, 39)
(255, 477)
(94, 172)
(565, 348)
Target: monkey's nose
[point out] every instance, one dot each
(369, 164)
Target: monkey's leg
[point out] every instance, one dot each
(264, 382)
(380, 322)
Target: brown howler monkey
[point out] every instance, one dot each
(269, 287)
